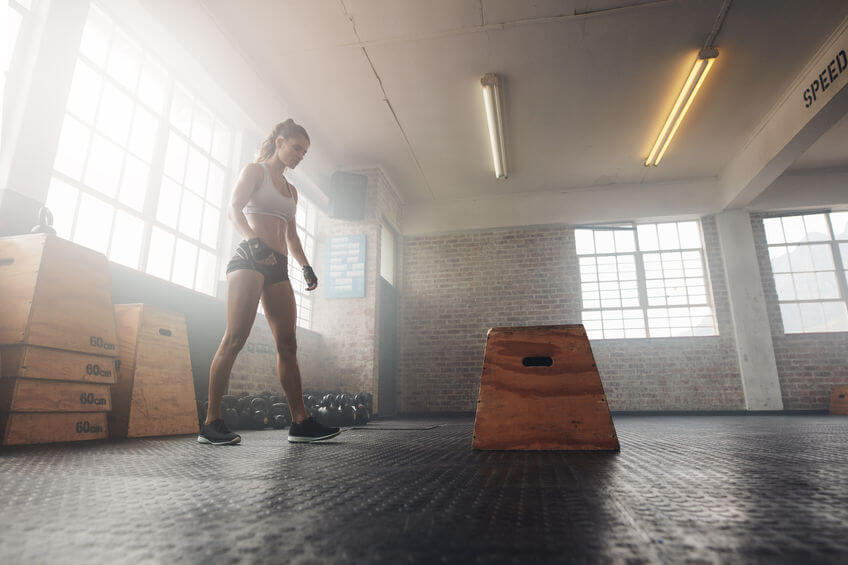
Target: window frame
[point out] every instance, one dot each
(156, 173)
(641, 280)
(840, 269)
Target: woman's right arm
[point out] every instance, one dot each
(250, 178)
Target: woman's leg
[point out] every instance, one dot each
(281, 311)
(243, 290)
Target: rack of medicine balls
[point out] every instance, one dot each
(264, 410)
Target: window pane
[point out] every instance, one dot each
(839, 220)
(604, 241)
(816, 227)
(115, 114)
(195, 178)
(85, 92)
(175, 157)
(124, 61)
(785, 287)
(222, 144)
(690, 235)
(94, 223)
(812, 317)
(624, 241)
(126, 239)
(774, 230)
(791, 318)
(62, 202)
(828, 287)
(647, 237)
(134, 183)
(201, 131)
(209, 234)
(585, 241)
(800, 258)
(103, 172)
(793, 229)
(806, 286)
(168, 207)
(779, 259)
(206, 276)
(160, 253)
(185, 260)
(190, 211)
(215, 186)
(152, 85)
(144, 130)
(668, 236)
(835, 316)
(72, 149)
(95, 36)
(181, 110)
(822, 257)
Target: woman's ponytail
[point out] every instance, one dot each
(286, 130)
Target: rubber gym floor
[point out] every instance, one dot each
(701, 489)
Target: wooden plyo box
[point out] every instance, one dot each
(839, 400)
(26, 361)
(154, 395)
(30, 395)
(54, 293)
(21, 428)
(540, 390)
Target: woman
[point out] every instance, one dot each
(263, 211)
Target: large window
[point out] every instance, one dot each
(646, 280)
(142, 164)
(809, 258)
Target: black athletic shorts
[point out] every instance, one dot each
(278, 272)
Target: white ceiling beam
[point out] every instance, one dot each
(793, 125)
(595, 204)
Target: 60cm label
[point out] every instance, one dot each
(86, 427)
(89, 398)
(97, 341)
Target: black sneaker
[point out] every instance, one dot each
(217, 433)
(309, 430)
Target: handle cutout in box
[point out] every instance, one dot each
(6, 261)
(163, 331)
(537, 361)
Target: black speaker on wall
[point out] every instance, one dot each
(347, 196)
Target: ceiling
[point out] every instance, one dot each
(394, 84)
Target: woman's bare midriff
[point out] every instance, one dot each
(270, 229)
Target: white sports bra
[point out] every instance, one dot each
(267, 200)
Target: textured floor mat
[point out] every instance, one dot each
(700, 489)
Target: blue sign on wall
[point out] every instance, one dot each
(345, 269)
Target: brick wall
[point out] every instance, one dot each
(808, 365)
(457, 286)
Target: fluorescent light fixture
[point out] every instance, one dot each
(696, 78)
(493, 100)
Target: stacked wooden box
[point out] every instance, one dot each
(58, 343)
(154, 395)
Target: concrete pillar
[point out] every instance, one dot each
(748, 310)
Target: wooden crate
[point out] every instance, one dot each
(21, 428)
(540, 390)
(55, 294)
(154, 395)
(27, 361)
(839, 400)
(30, 395)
